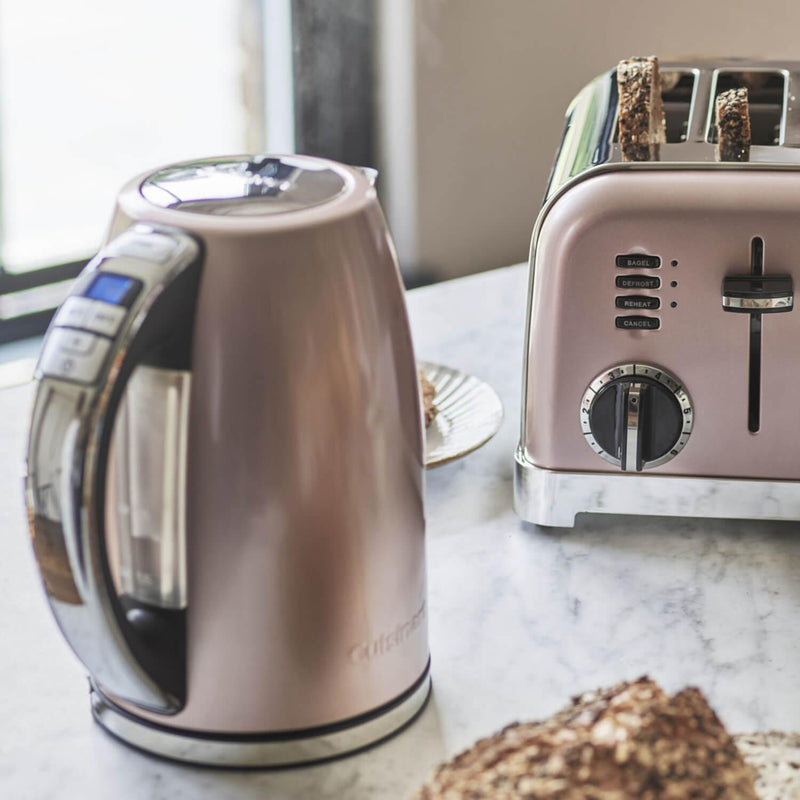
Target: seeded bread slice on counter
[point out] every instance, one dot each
(776, 758)
(733, 125)
(642, 127)
(629, 742)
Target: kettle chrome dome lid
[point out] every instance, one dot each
(245, 185)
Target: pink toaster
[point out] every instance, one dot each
(662, 360)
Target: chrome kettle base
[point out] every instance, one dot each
(553, 498)
(290, 748)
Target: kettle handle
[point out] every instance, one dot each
(134, 302)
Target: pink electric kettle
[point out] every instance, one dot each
(225, 467)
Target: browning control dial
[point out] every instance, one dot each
(636, 416)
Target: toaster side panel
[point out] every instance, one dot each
(700, 224)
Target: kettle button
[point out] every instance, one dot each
(73, 355)
(155, 247)
(90, 315)
(104, 318)
(74, 312)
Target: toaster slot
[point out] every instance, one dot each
(677, 97)
(766, 93)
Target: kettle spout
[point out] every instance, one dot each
(369, 173)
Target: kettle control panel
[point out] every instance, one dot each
(79, 341)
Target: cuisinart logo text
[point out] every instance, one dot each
(381, 645)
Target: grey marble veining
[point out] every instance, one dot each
(521, 617)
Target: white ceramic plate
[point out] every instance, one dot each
(469, 414)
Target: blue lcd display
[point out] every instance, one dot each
(110, 288)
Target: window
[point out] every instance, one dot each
(91, 94)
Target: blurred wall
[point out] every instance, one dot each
(474, 94)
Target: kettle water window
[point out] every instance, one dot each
(145, 509)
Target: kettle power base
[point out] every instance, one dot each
(553, 498)
(286, 749)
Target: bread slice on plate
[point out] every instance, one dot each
(428, 391)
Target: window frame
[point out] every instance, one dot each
(33, 323)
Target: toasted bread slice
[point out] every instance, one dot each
(642, 127)
(733, 125)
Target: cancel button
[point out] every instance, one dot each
(639, 323)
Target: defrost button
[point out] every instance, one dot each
(638, 282)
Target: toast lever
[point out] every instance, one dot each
(763, 294)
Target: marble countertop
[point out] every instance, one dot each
(521, 617)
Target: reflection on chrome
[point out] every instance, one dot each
(244, 186)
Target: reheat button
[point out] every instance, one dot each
(638, 301)
(638, 261)
(638, 323)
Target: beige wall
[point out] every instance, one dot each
(489, 82)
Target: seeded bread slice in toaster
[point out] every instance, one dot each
(642, 127)
(629, 741)
(733, 125)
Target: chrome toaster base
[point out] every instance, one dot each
(283, 749)
(552, 498)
